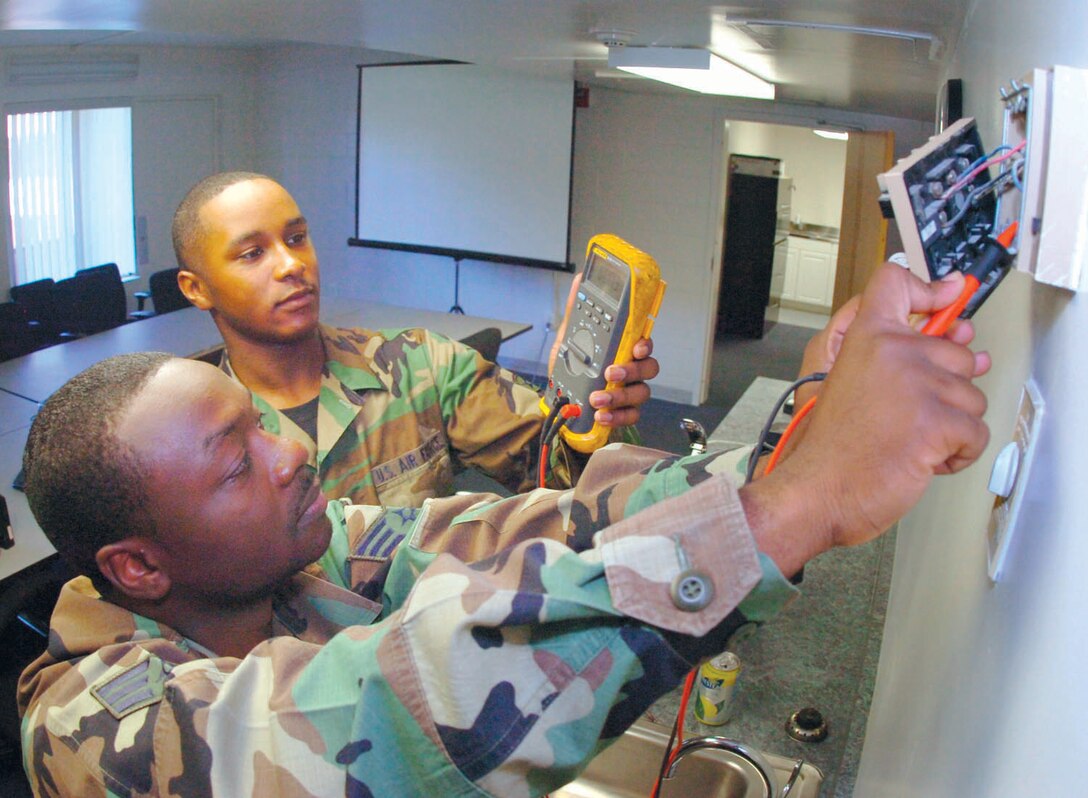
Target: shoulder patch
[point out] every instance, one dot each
(136, 687)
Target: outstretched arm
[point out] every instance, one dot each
(896, 409)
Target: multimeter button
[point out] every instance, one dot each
(581, 296)
(691, 590)
(607, 327)
(608, 316)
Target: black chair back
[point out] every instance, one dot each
(104, 283)
(165, 294)
(92, 300)
(38, 300)
(18, 336)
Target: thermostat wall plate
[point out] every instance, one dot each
(1009, 477)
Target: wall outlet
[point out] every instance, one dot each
(1009, 476)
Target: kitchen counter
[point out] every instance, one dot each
(816, 232)
(821, 651)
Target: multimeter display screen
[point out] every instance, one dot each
(605, 275)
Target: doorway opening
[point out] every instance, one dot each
(782, 224)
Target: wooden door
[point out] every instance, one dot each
(864, 232)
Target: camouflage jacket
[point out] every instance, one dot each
(398, 409)
(498, 676)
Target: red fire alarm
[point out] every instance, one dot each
(581, 95)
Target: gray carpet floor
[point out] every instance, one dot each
(736, 362)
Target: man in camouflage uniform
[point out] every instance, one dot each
(386, 414)
(195, 660)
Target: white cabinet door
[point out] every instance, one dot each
(810, 271)
(813, 270)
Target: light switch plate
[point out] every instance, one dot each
(1003, 516)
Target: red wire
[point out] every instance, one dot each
(566, 413)
(688, 683)
(685, 694)
(543, 465)
(963, 181)
(772, 461)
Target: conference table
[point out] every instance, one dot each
(191, 332)
(27, 381)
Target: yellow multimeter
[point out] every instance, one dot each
(616, 305)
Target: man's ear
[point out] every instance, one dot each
(194, 289)
(133, 567)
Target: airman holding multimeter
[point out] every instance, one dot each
(614, 307)
(385, 414)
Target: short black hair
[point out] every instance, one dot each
(186, 228)
(84, 485)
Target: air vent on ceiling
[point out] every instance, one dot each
(36, 69)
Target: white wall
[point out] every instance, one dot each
(648, 169)
(816, 166)
(222, 77)
(981, 688)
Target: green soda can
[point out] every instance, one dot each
(714, 694)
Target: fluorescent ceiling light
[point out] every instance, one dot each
(695, 69)
(838, 135)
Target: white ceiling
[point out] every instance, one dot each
(869, 56)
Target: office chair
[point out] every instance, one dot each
(26, 603)
(91, 301)
(486, 342)
(164, 294)
(18, 336)
(38, 299)
(104, 283)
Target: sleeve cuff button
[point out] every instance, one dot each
(691, 591)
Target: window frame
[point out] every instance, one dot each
(65, 104)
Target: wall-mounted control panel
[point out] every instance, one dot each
(1029, 192)
(1047, 110)
(944, 198)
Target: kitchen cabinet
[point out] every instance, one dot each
(810, 272)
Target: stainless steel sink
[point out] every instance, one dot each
(628, 770)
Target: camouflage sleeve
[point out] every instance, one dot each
(493, 417)
(508, 674)
(497, 676)
(493, 420)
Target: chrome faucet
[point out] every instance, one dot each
(696, 435)
(747, 753)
